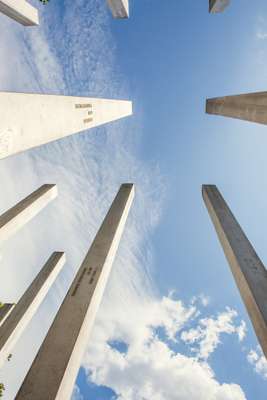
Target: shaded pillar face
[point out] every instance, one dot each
(217, 6)
(55, 368)
(119, 8)
(249, 272)
(21, 11)
(249, 107)
(41, 119)
(24, 310)
(5, 310)
(16, 217)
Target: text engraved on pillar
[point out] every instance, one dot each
(5, 141)
(92, 274)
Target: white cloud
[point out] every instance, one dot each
(88, 169)
(76, 395)
(151, 368)
(257, 359)
(205, 300)
(207, 335)
(261, 35)
(241, 331)
(202, 298)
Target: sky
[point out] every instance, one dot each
(171, 324)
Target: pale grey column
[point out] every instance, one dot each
(5, 310)
(249, 272)
(24, 310)
(119, 8)
(21, 11)
(30, 120)
(54, 370)
(18, 216)
(249, 107)
(217, 6)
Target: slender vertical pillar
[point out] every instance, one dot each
(249, 272)
(16, 217)
(119, 8)
(31, 120)
(24, 310)
(21, 11)
(217, 6)
(55, 368)
(249, 107)
(5, 310)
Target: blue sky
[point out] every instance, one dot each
(171, 324)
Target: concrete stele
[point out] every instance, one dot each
(218, 6)
(248, 270)
(249, 107)
(24, 310)
(18, 216)
(21, 11)
(119, 8)
(5, 310)
(30, 120)
(55, 368)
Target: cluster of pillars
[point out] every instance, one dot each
(55, 368)
(27, 15)
(41, 119)
(24, 13)
(249, 272)
(57, 362)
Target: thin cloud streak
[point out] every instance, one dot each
(88, 169)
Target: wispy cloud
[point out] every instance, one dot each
(257, 359)
(207, 335)
(80, 59)
(87, 168)
(76, 395)
(261, 35)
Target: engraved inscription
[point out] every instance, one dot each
(252, 265)
(93, 277)
(89, 112)
(90, 271)
(83, 105)
(87, 120)
(5, 142)
(79, 282)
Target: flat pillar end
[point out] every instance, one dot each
(51, 188)
(119, 8)
(210, 105)
(218, 6)
(59, 256)
(207, 188)
(22, 12)
(129, 187)
(5, 310)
